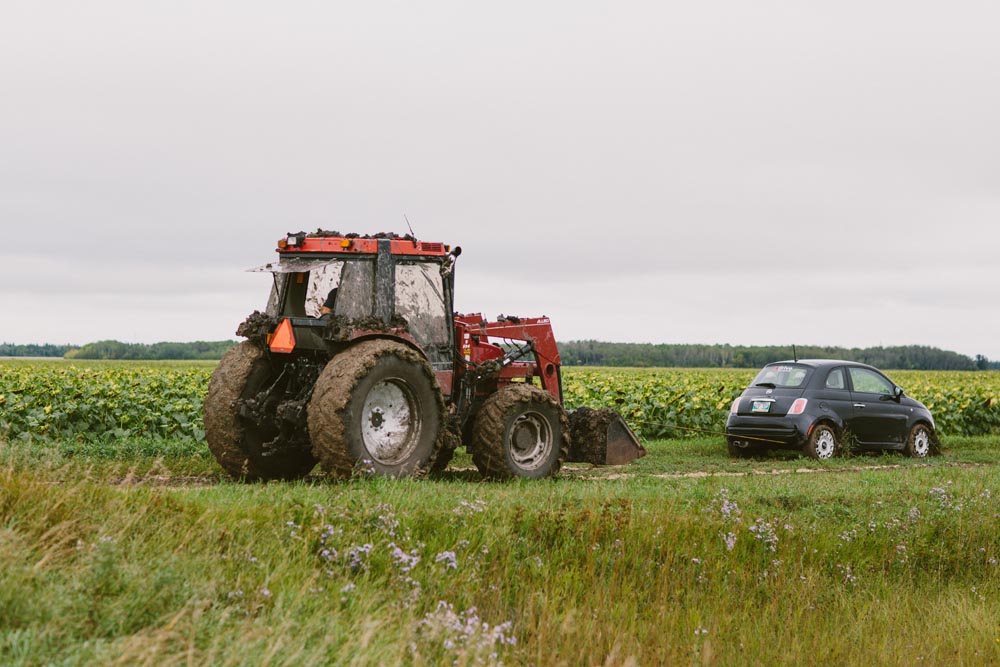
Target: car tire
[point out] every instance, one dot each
(823, 443)
(920, 443)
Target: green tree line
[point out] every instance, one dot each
(910, 357)
(34, 350)
(574, 353)
(113, 349)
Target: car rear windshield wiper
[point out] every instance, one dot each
(766, 384)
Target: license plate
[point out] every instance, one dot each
(761, 406)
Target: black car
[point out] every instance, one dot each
(821, 406)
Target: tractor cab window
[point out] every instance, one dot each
(274, 300)
(420, 300)
(356, 291)
(303, 293)
(355, 282)
(301, 287)
(321, 281)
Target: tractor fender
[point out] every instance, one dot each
(444, 378)
(404, 338)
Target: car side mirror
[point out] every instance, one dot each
(897, 393)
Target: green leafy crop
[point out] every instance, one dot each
(103, 401)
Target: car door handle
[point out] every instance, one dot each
(859, 405)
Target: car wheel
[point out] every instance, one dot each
(822, 443)
(920, 442)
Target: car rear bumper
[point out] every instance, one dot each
(776, 432)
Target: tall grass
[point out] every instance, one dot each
(863, 567)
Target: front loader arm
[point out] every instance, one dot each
(538, 332)
(597, 436)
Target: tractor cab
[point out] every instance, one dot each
(384, 284)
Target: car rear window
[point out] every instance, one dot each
(782, 375)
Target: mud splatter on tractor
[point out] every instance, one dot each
(381, 374)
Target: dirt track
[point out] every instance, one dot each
(788, 471)
(575, 473)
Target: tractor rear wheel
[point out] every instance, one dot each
(377, 406)
(520, 431)
(237, 443)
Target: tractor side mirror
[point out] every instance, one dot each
(449, 262)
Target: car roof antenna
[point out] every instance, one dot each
(795, 354)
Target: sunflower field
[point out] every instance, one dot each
(102, 400)
(107, 400)
(674, 402)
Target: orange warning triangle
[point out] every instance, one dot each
(284, 337)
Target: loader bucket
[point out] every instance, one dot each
(602, 437)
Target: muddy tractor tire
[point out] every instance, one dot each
(377, 407)
(520, 431)
(238, 443)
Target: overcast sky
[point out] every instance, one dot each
(669, 172)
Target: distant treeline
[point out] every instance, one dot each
(33, 350)
(113, 349)
(910, 357)
(574, 353)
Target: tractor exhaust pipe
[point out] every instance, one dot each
(602, 437)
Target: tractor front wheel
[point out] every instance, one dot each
(376, 406)
(239, 443)
(520, 431)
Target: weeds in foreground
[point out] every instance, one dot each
(880, 567)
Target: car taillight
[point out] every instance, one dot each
(735, 407)
(798, 407)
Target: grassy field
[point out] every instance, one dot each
(142, 558)
(128, 546)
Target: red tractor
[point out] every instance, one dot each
(360, 362)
